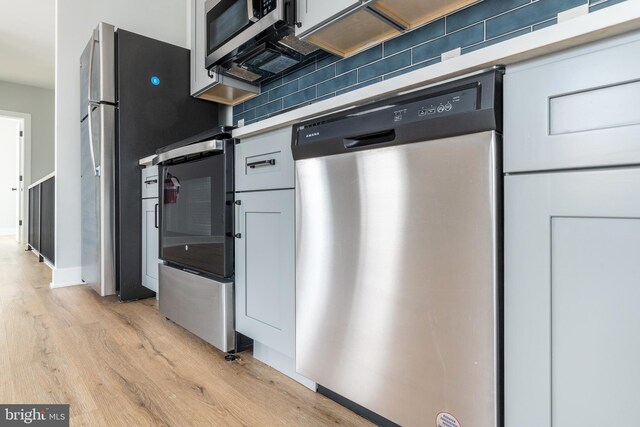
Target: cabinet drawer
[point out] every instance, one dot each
(200, 305)
(575, 109)
(264, 162)
(150, 182)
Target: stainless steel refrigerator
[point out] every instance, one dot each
(134, 99)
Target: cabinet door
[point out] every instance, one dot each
(572, 293)
(150, 259)
(199, 76)
(312, 13)
(265, 276)
(575, 109)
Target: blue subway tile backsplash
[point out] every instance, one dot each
(482, 24)
(415, 37)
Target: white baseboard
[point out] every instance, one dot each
(7, 231)
(65, 285)
(280, 362)
(63, 277)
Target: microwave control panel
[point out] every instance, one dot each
(267, 6)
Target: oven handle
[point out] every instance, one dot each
(213, 145)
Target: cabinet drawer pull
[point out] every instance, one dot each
(151, 181)
(155, 216)
(270, 162)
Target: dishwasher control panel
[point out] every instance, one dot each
(437, 106)
(467, 106)
(414, 110)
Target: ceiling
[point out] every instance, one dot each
(27, 37)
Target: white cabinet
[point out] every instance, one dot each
(265, 249)
(346, 27)
(576, 109)
(572, 298)
(572, 238)
(150, 259)
(312, 13)
(150, 228)
(265, 162)
(200, 79)
(215, 87)
(265, 270)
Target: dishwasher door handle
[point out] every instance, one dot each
(370, 139)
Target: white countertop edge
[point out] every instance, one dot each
(41, 180)
(147, 161)
(611, 21)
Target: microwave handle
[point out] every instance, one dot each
(291, 12)
(250, 12)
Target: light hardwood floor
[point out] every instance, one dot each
(123, 364)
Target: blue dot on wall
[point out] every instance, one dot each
(155, 80)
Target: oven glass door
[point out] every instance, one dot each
(227, 19)
(195, 216)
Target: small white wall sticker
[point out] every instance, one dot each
(445, 419)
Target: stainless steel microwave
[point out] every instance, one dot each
(253, 39)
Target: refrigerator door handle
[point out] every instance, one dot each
(92, 51)
(96, 169)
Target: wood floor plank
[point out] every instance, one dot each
(124, 364)
(6, 385)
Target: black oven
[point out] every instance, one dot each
(196, 206)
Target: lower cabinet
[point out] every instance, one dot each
(150, 261)
(572, 294)
(265, 268)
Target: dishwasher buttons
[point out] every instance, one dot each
(448, 106)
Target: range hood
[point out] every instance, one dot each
(227, 90)
(374, 21)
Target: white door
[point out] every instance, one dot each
(9, 185)
(21, 223)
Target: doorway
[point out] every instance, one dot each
(14, 174)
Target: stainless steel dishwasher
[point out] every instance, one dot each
(399, 255)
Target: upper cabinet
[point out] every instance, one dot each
(212, 86)
(345, 28)
(313, 13)
(199, 75)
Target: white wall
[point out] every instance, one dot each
(39, 103)
(9, 129)
(164, 20)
